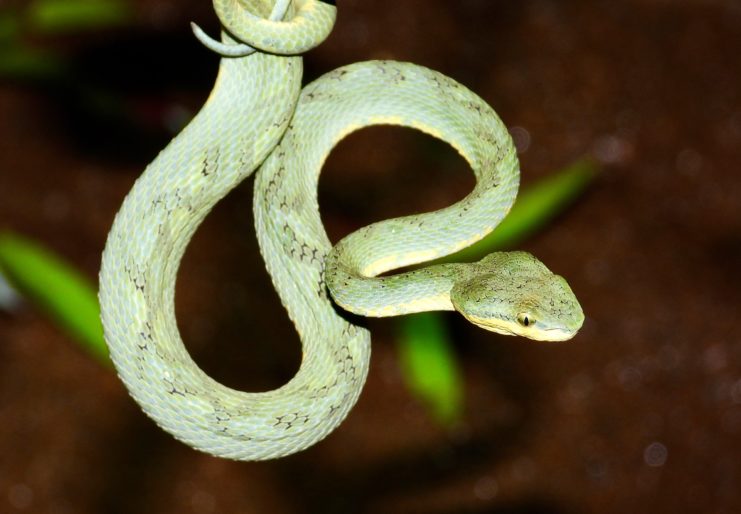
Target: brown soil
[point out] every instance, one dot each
(640, 413)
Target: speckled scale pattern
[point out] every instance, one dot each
(254, 114)
(249, 109)
(247, 21)
(221, 146)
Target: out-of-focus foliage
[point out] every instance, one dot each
(9, 26)
(56, 288)
(429, 366)
(533, 209)
(22, 62)
(46, 17)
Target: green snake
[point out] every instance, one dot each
(258, 117)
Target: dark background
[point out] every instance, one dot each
(641, 412)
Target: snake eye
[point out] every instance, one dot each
(525, 319)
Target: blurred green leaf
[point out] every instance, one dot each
(56, 287)
(74, 15)
(9, 26)
(20, 62)
(430, 368)
(533, 209)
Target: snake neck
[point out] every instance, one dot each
(420, 290)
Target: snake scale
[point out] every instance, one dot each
(259, 118)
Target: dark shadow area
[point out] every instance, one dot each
(122, 99)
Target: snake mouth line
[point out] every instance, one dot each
(554, 334)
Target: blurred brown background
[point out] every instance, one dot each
(640, 413)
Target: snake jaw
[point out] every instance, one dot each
(509, 328)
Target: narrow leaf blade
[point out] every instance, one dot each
(532, 210)
(429, 366)
(53, 16)
(57, 288)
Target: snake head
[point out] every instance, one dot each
(513, 293)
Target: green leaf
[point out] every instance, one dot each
(9, 26)
(430, 368)
(24, 63)
(53, 16)
(58, 289)
(533, 209)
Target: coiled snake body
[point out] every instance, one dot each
(257, 116)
